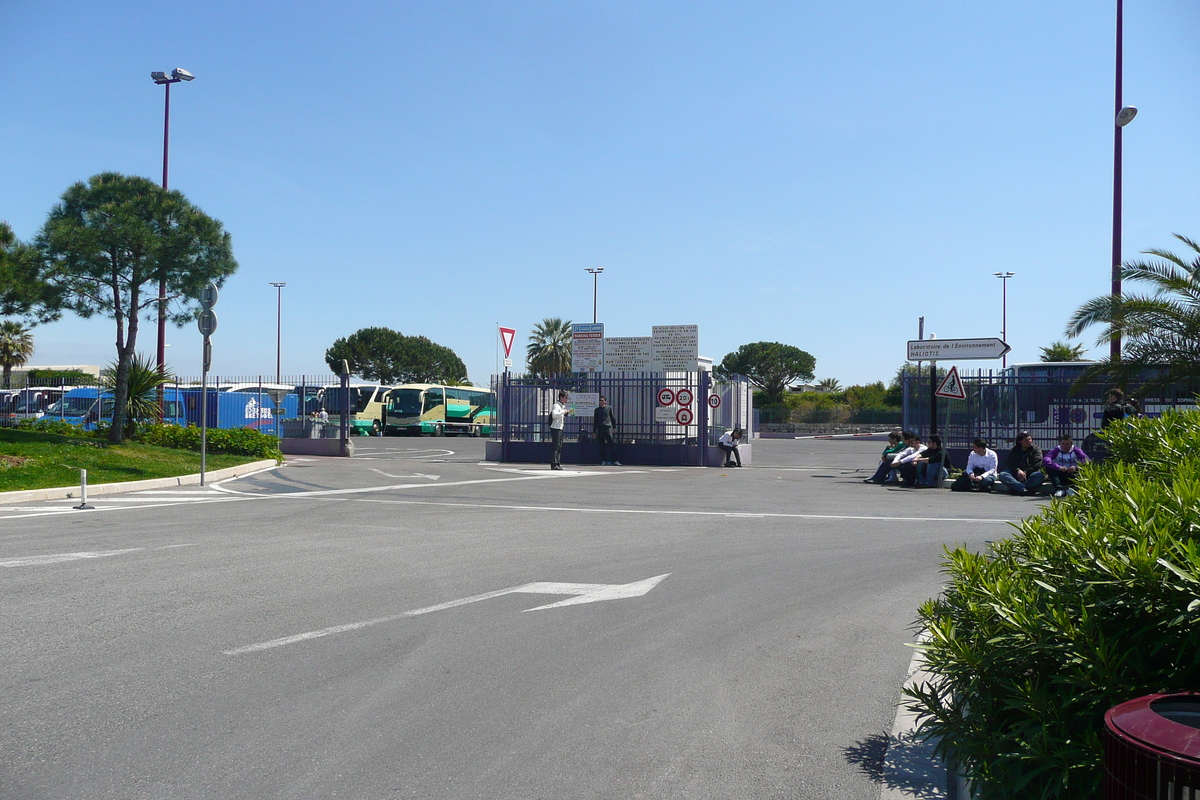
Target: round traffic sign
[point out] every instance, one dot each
(684, 397)
(208, 295)
(207, 322)
(666, 397)
(684, 416)
(714, 401)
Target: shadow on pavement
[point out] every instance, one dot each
(902, 766)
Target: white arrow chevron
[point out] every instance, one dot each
(583, 593)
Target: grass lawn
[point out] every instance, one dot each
(35, 460)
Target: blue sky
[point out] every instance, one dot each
(819, 174)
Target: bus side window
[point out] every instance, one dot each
(433, 399)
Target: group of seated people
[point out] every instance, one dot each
(909, 462)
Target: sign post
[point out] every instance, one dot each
(207, 323)
(932, 350)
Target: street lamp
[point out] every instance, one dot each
(1004, 276)
(278, 324)
(163, 79)
(595, 278)
(1125, 115)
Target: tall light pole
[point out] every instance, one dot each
(163, 79)
(595, 279)
(1124, 114)
(1004, 276)
(278, 323)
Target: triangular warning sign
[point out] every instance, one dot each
(506, 336)
(952, 386)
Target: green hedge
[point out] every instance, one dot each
(1093, 602)
(235, 441)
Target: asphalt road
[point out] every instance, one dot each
(294, 634)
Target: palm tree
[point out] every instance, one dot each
(1061, 351)
(16, 347)
(144, 380)
(830, 385)
(1159, 329)
(549, 348)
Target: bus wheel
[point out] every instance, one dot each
(376, 428)
(475, 431)
(437, 431)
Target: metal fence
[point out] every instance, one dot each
(648, 431)
(997, 407)
(233, 401)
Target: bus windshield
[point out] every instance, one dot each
(360, 396)
(71, 407)
(405, 402)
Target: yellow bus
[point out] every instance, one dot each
(418, 408)
(366, 407)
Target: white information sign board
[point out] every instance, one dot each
(628, 354)
(584, 403)
(587, 347)
(675, 348)
(665, 414)
(955, 349)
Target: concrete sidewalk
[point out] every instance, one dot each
(69, 492)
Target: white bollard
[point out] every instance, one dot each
(83, 503)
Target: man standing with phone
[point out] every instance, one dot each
(558, 420)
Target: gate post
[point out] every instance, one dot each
(703, 409)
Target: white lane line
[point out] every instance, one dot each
(164, 503)
(532, 476)
(58, 558)
(179, 492)
(584, 510)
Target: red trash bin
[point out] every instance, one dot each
(1152, 748)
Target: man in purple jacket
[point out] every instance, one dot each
(1062, 465)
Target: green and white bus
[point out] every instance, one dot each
(366, 407)
(418, 408)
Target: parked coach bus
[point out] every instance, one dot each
(366, 407)
(417, 408)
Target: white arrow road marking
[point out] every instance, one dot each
(58, 558)
(584, 593)
(414, 475)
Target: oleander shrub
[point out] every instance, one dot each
(1093, 602)
(235, 441)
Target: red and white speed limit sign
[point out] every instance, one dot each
(684, 397)
(684, 416)
(714, 401)
(665, 397)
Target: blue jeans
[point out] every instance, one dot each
(930, 475)
(1032, 482)
(882, 472)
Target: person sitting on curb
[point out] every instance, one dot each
(1022, 472)
(930, 465)
(913, 448)
(1062, 464)
(980, 473)
(729, 443)
(894, 446)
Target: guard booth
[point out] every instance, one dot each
(663, 418)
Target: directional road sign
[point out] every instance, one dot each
(955, 349)
(952, 386)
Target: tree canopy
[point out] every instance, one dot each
(1159, 329)
(108, 239)
(23, 291)
(390, 357)
(770, 366)
(1061, 351)
(16, 348)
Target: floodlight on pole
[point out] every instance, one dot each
(595, 278)
(1004, 276)
(278, 324)
(162, 79)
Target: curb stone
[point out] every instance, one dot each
(70, 492)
